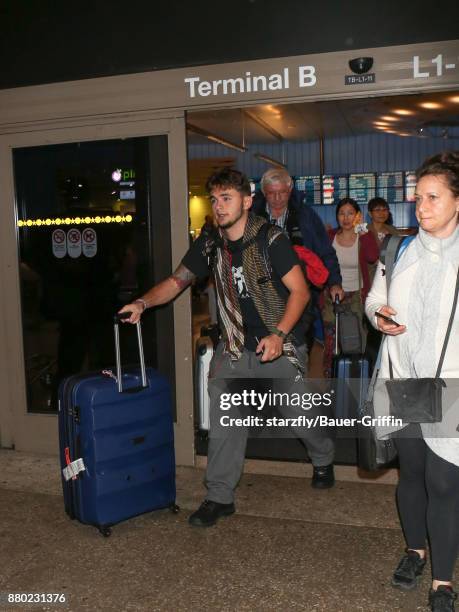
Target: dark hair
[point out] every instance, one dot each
(444, 164)
(344, 201)
(375, 202)
(227, 177)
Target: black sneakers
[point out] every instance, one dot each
(442, 600)
(408, 570)
(323, 476)
(209, 512)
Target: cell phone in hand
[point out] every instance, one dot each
(387, 319)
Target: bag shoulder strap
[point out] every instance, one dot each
(391, 249)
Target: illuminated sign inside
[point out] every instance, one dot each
(123, 175)
(74, 221)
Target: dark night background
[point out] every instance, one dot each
(44, 41)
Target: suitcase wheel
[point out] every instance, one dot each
(174, 508)
(105, 531)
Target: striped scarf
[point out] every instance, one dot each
(268, 303)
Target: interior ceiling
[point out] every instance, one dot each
(270, 123)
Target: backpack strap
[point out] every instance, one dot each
(392, 248)
(262, 240)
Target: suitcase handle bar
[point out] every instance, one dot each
(116, 319)
(336, 303)
(120, 316)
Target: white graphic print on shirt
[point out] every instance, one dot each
(239, 282)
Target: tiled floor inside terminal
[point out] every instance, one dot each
(288, 547)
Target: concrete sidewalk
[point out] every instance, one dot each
(289, 547)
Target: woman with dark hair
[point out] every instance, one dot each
(381, 219)
(355, 249)
(421, 296)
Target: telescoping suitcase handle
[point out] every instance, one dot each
(116, 320)
(336, 303)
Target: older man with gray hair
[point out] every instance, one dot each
(279, 203)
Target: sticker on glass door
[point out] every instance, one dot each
(89, 242)
(74, 243)
(59, 242)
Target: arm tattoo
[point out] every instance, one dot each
(182, 277)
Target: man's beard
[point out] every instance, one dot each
(230, 224)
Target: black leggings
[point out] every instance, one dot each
(428, 502)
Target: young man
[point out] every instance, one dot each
(262, 330)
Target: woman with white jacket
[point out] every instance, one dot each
(420, 300)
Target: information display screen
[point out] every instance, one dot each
(309, 188)
(362, 187)
(334, 187)
(390, 187)
(410, 185)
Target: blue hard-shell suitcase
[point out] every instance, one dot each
(116, 444)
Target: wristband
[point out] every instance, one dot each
(140, 301)
(280, 333)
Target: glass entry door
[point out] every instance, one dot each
(86, 247)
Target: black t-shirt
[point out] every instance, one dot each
(282, 257)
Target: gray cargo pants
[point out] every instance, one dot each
(226, 452)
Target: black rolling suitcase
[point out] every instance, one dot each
(351, 369)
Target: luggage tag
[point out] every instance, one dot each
(110, 374)
(73, 468)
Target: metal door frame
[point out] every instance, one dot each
(38, 432)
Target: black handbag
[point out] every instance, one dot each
(419, 400)
(416, 400)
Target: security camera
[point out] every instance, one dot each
(360, 65)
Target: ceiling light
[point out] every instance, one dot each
(269, 160)
(454, 99)
(403, 111)
(389, 118)
(404, 134)
(380, 123)
(214, 138)
(262, 123)
(431, 105)
(227, 143)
